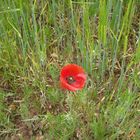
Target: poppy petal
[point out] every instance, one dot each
(65, 85)
(76, 73)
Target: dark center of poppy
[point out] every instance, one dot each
(70, 80)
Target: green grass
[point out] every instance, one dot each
(37, 38)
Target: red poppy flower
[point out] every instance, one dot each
(72, 77)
